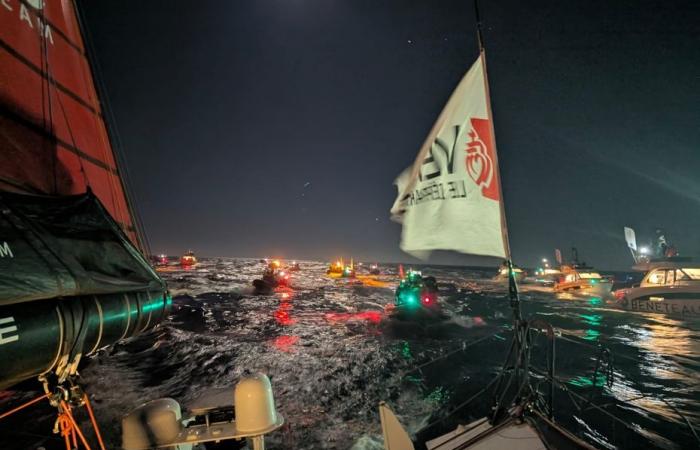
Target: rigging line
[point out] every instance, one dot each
(460, 406)
(46, 98)
(50, 80)
(592, 405)
(656, 397)
(112, 131)
(462, 348)
(682, 416)
(576, 340)
(105, 148)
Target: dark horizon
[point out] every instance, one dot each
(276, 129)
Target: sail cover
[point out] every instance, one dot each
(450, 199)
(53, 138)
(66, 246)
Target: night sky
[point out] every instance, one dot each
(276, 128)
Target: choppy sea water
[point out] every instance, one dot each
(332, 355)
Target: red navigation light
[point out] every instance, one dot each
(426, 300)
(285, 295)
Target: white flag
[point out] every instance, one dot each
(451, 198)
(631, 238)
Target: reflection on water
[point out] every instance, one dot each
(332, 355)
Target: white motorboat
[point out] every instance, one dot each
(670, 286)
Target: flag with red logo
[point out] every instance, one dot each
(450, 199)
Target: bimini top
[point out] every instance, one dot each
(66, 246)
(675, 262)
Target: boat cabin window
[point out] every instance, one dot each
(570, 277)
(589, 275)
(658, 276)
(690, 274)
(670, 276)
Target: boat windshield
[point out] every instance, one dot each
(691, 273)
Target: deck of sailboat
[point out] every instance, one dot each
(480, 434)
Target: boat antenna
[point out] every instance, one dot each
(479, 36)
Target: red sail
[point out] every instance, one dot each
(53, 138)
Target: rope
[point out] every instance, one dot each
(46, 101)
(88, 406)
(65, 423)
(73, 426)
(460, 406)
(114, 143)
(462, 348)
(49, 82)
(22, 406)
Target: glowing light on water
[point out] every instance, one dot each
(285, 343)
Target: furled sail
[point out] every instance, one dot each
(450, 199)
(52, 131)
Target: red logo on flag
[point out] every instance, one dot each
(481, 159)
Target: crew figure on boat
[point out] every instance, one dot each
(273, 276)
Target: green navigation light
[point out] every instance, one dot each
(410, 298)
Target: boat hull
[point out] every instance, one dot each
(599, 288)
(675, 301)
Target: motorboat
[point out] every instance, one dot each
(415, 294)
(335, 268)
(670, 286)
(582, 279)
(546, 276)
(159, 260)
(272, 278)
(518, 273)
(340, 270)
(188, 259)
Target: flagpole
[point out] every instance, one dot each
(479, 36)
(482, 55)
(519, 325)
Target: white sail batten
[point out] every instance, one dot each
(451, 199)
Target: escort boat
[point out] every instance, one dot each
(582, 279)
(415, 297)
(340, 270)
(518, 273)
(670, 286)
(188, 259)
(272, 277)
